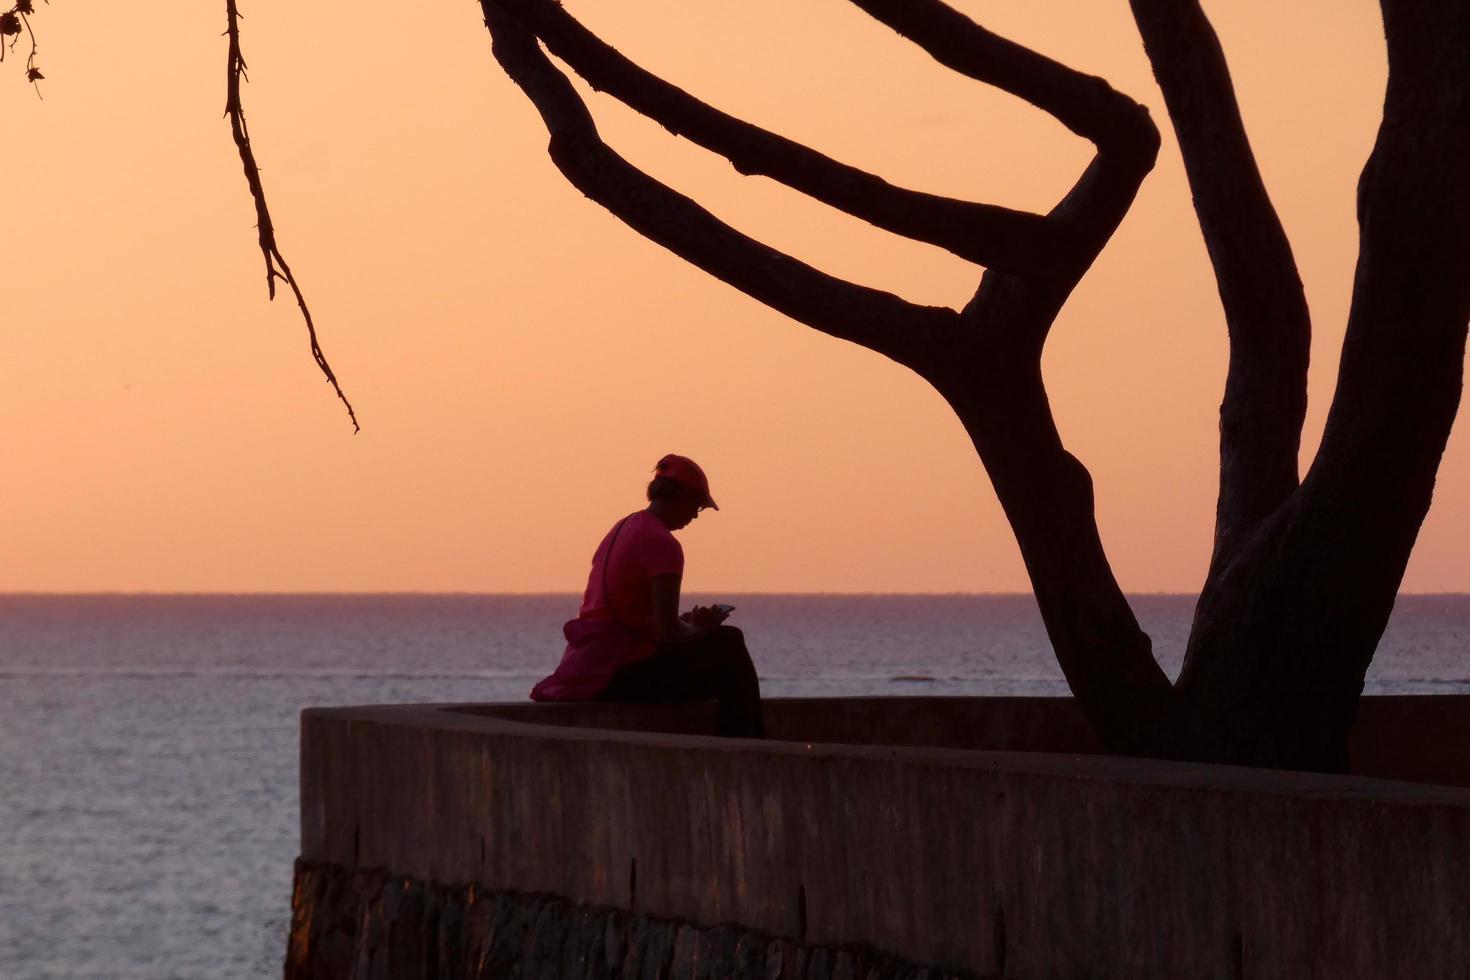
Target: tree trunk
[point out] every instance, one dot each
(1285, 631)
(995, 386)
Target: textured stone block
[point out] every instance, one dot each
(349, 925)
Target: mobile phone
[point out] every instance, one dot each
(723, 607)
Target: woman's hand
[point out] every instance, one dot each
(705, 618)
(672, 627)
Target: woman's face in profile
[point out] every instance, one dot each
(683, 511)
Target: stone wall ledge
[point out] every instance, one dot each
(946, 845)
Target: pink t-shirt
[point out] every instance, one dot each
(602, 639)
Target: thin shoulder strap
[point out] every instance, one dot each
(606, 561)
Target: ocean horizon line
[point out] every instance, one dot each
(532, 594)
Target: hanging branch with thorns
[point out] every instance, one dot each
(12, 23)
(276, 266)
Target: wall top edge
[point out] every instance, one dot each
(480, 719)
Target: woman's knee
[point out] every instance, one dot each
(734, 658)
(730, 636)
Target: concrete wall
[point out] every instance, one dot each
(936, 846)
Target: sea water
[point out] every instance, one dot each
(148, 744)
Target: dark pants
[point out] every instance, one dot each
(715, 666)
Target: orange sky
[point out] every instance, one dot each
(519, 358)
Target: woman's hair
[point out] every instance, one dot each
(668, 488)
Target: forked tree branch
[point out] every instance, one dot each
(880, 321)
(989, 235)
(1284, 635)
(1126, 138)
(275, 263)
(1085, 104)
(1265, 308)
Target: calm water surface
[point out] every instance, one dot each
(148, 744)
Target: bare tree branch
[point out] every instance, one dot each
(275, 263)
(1120, 128)
(1401, 377)
(1085, 104)
(11, 23)
(1265, 308)
(986, 234)
(877, 320)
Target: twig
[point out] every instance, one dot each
(11, 22)
(276, 266)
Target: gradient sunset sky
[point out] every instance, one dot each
(519, 358)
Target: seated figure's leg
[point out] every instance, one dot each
(739, 711)
(714, 666)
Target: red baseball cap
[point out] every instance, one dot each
(684, 470)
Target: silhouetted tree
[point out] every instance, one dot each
(1304, 571)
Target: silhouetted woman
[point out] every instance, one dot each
(629, 643)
